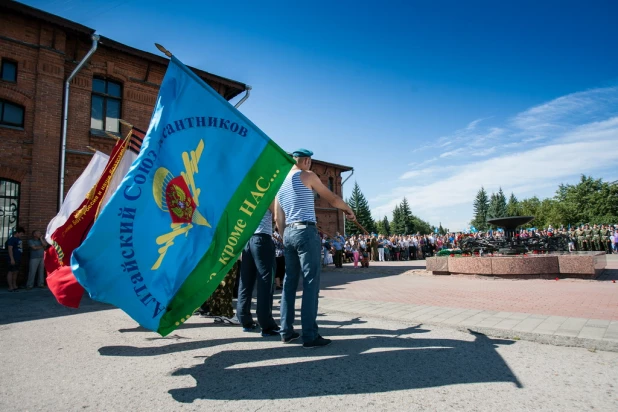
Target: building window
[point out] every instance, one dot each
(8, 70)
(9, 209)
(105, 106)
(331, 184)
(11, 114)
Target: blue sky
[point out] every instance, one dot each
(428, 100)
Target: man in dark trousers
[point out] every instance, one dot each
(295, 217)
(15, 249)
(258, 264)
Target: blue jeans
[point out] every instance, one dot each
(302, 256)
(258, 263)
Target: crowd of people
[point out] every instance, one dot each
(338, 249)
(380, 248)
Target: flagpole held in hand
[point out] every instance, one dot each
(360, 226)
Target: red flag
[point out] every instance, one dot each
(69, 236)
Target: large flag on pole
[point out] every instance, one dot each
(70, 235)
(78, 192)
(194, 196)
(135, 139)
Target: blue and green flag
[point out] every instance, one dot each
(202, 182)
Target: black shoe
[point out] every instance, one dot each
(291, 338)
(317, 343)
(270, 332)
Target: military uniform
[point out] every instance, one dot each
(587, 238)
(596, 238)
(605, 239)
(220, 302)
(579, 233)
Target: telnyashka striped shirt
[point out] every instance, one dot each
(296, 200)
(266, 225)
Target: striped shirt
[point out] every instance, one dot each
(266, 225)
(296, 200)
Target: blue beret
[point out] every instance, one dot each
(302, 153)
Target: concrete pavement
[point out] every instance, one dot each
(98, 359)
(568, 312)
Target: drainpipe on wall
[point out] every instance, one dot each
(65, 113)
(342, 183)
(245, 97)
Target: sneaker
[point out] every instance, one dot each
(271, 332)
(291, 338)
(317, 343)
(250, 328)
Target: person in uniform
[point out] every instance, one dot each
(595, 238)
(219, 304)
(587, 237)
(295, 217)
(605, 239)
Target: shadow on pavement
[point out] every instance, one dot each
(40, 304)
(360, 360)
(349, 366)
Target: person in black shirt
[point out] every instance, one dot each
(14, 246)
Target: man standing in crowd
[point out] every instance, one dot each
(14, 246)
(37, 248)
(381, 248)
(258, 263)
(338, 246)
(295, 213)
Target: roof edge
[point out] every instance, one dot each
(43, 15)
(106, 41)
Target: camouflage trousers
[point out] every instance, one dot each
(220, 302)
(596, 242)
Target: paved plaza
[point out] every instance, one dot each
(574, 312)
(393, 349)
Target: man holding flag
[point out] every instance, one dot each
(295, 217)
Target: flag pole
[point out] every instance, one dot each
(163, 50)
(113, 136)
(125, 123)
(360, 226)
(324, 231)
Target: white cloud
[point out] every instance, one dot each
(580, 130)
(484, 152)
(451, 153)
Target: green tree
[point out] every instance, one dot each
(481, 206)
(421, 226)
(497, 205)
(398, 225)
(406, 216)
(512, 207)
(386, 227)
(530, 207)
(358, 203)
(589, 201)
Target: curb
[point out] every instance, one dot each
(567, 341)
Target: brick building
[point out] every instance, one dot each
(330, 219)
(38, 52)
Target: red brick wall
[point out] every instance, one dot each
(46, 55)
(331, 221)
